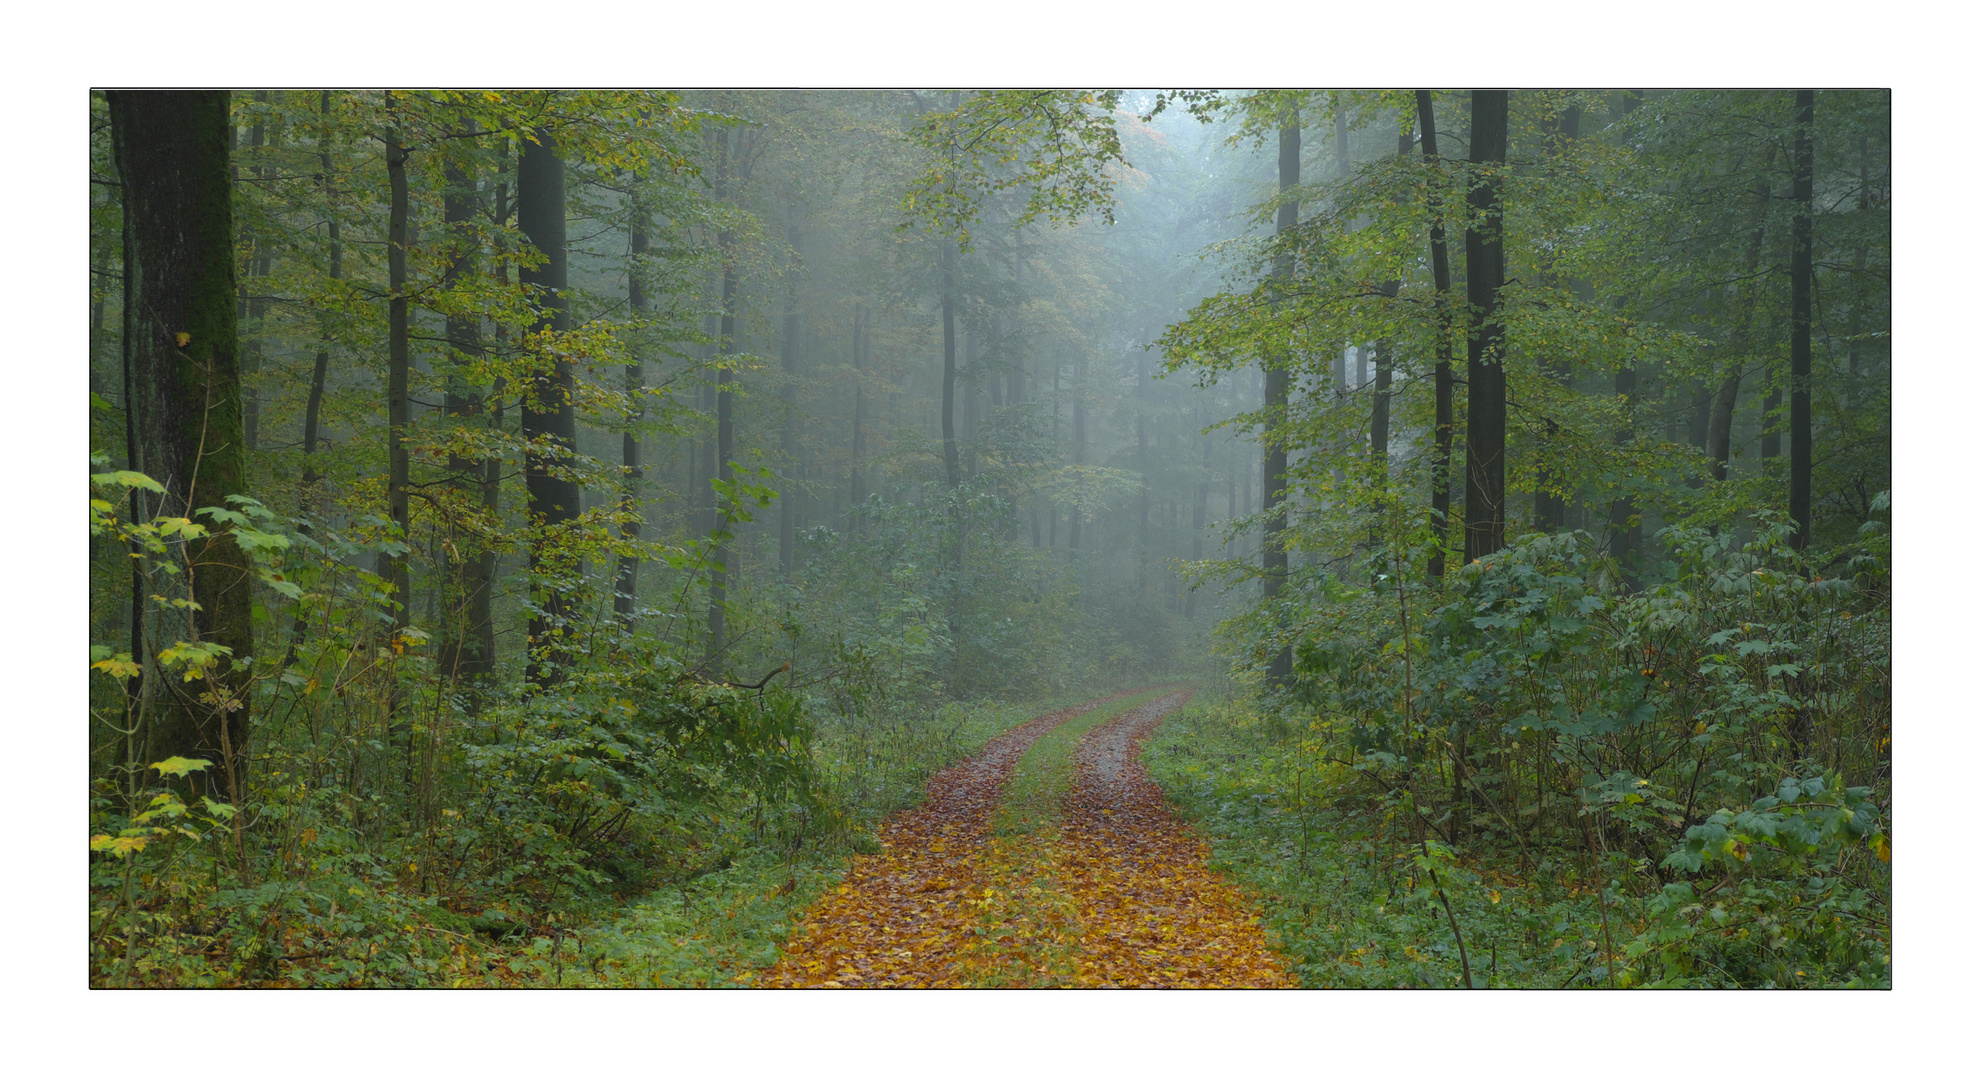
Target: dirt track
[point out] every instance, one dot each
(1118, 895)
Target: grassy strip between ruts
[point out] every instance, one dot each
(1027, 930)
(1044, 773)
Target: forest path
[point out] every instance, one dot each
(1078, 877)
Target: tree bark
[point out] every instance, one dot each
(466, 650)
(725, 417)
(859, 414)
(1801, 275)
(398, 365)
(1278, 401)
(950, 460)
(1551, 482)
(549, 417)
(787, 502)
(319, 374)
(625, 587)
(256, 305)
(1485, 372)
(1440, 276)
(184, 399)
(1625, 524)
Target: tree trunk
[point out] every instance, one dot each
(398, 365)
(1074, 513)
(1551, 482)
(1625, 524)
(313, 411)
(625, 588)
(1718, 439)
(1801, 275)
(1199, 518)
(725, 417)
(787, 502)
(469, 566)
(1440, 275)
(549, 417)
(184, 398)
(256, 304)
(950, 460)
(1485, 372)
(859, 414)
(1278, 401)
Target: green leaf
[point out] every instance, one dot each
(178, 766)
(127, 478)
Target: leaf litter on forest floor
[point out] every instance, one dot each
(1081, 877)
(903, 916)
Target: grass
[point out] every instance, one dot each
(728, 924)
(1044, 774)
(1345, 892)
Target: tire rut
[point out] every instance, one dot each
(901, 916)
(1152, 913)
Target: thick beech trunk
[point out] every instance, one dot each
(184, 401)
(549, 417)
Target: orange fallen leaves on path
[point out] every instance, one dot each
(902, 915)
(1118, 895)
(1153, 914)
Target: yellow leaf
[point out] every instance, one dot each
(183, 338)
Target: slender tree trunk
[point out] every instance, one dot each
(1485, 371)
(256, 305)
(1551, 482)
(1074, 513)
(950, 461)
(398, 365)
(549, 417)
(625, 589)
(787, 504)
(481, 617)
(319, 373)
(725, 417)
(1625, 524)
(1199, 517)
(1801, 275)
(1440, 275)
(1278, 402)
(1718, 442)
(184, 401)
(468, 568)
(859, 414)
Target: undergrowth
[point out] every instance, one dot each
(1344, 882)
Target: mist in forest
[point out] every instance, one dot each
(537, 499)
